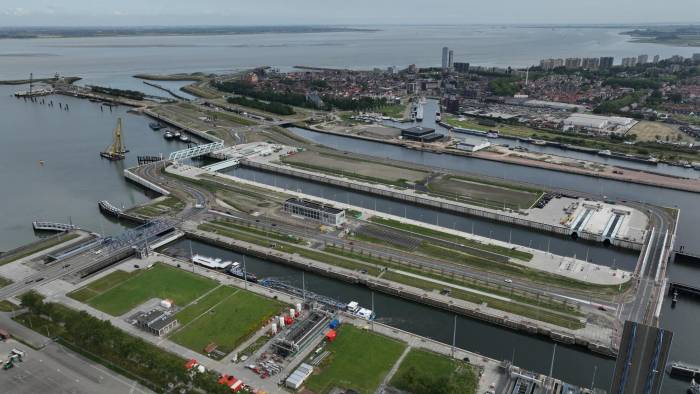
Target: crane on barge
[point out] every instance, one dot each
(116, 151)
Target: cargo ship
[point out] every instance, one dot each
(210, 262)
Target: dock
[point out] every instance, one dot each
(52, 226)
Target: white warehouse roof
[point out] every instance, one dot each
(597, 121)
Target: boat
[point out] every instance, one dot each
(168, 135)
(605, 153)
(176, 134)
(354, 308)
(469, 131)
(237, 271)
(438, 116)
(210, 262)
(539, 142)
(694, 387)
(184, 138)
(492, 134)
(33, 92)
(684, 370)
(155, 126)
(419, 113)
(117, 150)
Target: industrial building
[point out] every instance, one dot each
(325, 214)
(420, 133)
(156, 322)
(608, 124)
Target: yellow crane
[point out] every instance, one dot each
(116, 151)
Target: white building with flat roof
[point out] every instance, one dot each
(607, 124)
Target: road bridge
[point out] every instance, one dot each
(642, 359)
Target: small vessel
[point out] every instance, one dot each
(419, 113)
(675, 298)
(116, 151)
(605, 153)
(694, 387)
(236, 270)
(176, 134)
(354, 308)
(33, 92)
(438, 116)
(492, 134)
(184, 138)
(155, 126)
(168, 135)
(539, 142)
(210, 262)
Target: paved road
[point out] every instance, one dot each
(55, 369)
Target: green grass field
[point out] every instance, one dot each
(422, 370)
(160, 281)
(359, 360)
(101, 285)
(228, 323)
(196, 308)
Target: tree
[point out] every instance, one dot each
(32, 301)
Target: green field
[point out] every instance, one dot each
(160, 281)
(198, 307)
(422, 371)
(359, 360)
(101, 285)
(228, 323)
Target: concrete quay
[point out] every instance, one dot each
(597, 217)
(565, 266)
(593, 337)
(199, 133)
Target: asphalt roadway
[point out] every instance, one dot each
(54, 369)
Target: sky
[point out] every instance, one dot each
(349, 12)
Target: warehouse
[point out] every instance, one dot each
(609, 124)
(472, 147)
(325, 214)
(156, 322)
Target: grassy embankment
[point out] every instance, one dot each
(169, 205)
(537, 308)
(38, 247)
(422, 371)
(343, 369)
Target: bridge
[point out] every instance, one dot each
(642, 359)
(51, 226)
(195, 151)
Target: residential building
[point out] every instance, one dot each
(629, 61)
(323, 213)
(656, 58)
(573, 63)
(696, 57)
(450, 60)
(606, 62)
(590, 63)
(461, 67)
(642, 59)
(445, 58)
(551, 64)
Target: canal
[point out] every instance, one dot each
(596, 252)
(572, 364)
(686, 201)
(50, 167)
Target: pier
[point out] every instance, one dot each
(51, 226)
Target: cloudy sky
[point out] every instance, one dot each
(290, 12)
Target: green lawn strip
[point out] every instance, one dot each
(542, 302)
(402, 183)
(101, 285)
(359, 360)
(378, 241)
(422, 371)
(160, 207)
(516, 254)
(229, 323)
(287, 248)
(491, 204)
(4, 281)
(160, 281)
(518, 271)
(263, 233)
(38, 248)
(7, 306)
(505, 306)
(200, 306)
(393, 110)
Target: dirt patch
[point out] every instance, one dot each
(650, 131)
(483, 194)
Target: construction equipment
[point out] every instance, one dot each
(116, 151)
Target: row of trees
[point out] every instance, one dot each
(130, 94)
(272, 106)
(158, 369)
(300, 100)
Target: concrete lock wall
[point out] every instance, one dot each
(415, 295)
(397, 195)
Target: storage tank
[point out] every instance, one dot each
(292, 313)
(299, 307)
(273, 328)
(281, 322)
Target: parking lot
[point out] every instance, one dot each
(56, 370)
